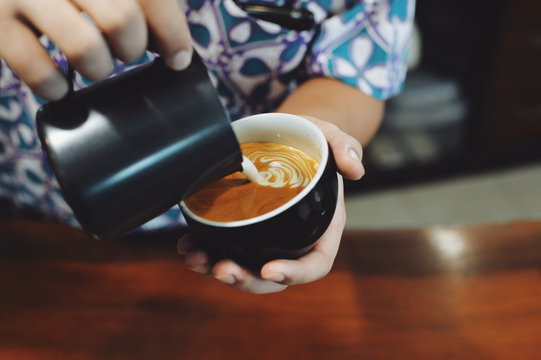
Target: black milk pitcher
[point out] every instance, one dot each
(128, 148)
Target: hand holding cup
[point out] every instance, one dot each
(276, 275)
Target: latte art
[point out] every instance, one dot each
(292, 168)
(283, 173)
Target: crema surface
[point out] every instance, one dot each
(284, 172)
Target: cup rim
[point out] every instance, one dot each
(322, 145)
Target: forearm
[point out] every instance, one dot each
(353, 111)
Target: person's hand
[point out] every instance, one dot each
(277, 275)
(118, 28)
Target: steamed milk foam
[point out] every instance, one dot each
(284, 171)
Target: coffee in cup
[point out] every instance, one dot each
(283, 172)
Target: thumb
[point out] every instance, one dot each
(347, 151)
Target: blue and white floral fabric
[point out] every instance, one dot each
(254, 64)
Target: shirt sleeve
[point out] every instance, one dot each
(366, 46)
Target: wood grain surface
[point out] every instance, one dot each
(432, 293)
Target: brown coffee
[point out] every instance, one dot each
(285, 171)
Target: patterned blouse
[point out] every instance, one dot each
(254, 64)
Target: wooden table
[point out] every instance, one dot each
(434, 293)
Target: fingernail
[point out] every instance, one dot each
(198, 262)
(229, 279)
(277, 277)
(202, 269)
(180, 60)
(354, 154)
(53, 88)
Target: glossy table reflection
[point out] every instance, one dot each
(434, 293)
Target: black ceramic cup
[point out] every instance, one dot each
(292, 229)
(128, 148)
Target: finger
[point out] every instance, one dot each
(123, 24)
(80, 41)
(347, 150)
(198, 261)
(232, 274)
(317, 263)
(170, 30)
(20, 48)
(185, 244)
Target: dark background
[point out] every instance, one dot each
(490, 53)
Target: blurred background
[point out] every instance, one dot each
(462, 143)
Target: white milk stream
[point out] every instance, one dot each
(250, 171)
